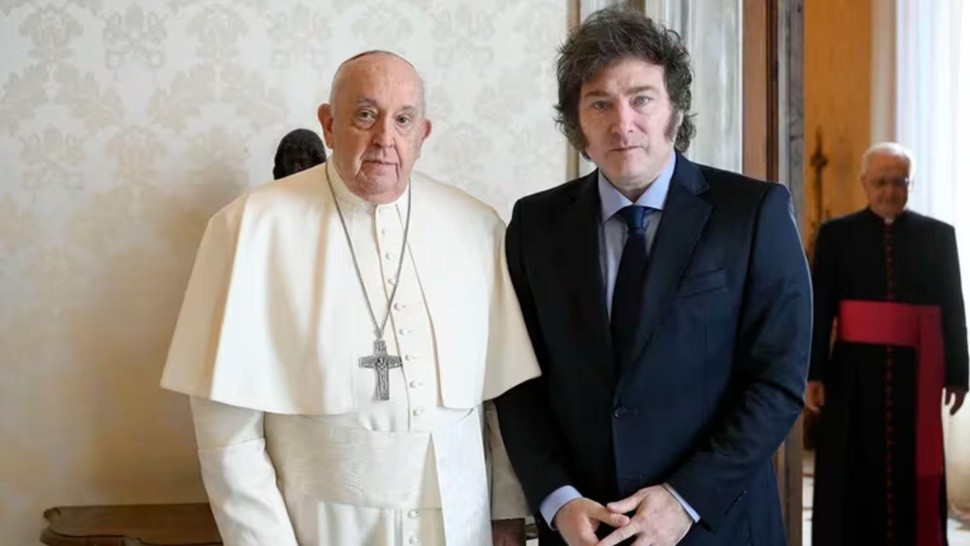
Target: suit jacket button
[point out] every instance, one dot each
(620, 411)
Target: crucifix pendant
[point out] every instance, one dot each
(381, 362)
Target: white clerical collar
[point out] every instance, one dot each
(345, 195)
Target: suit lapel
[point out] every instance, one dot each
(580, 224)
(684, 217)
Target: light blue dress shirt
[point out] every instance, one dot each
(613, 233)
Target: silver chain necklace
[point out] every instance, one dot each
(379, 361)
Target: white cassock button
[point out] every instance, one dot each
(383, 231)
(409, 358)
(413, 514)
(404, 331)
(390, 255)
(398, 306)
(415, 384)
(418, 411)
(413, 540)
(391, 281)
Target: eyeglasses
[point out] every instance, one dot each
(899, 182)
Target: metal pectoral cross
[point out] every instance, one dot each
(381, 362)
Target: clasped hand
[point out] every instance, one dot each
(657, 520)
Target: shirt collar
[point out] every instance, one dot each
(611, 200)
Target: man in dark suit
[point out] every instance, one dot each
(669, 304)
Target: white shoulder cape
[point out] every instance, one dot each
(258, 326)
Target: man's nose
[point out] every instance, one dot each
(622, 122)
(381, 135)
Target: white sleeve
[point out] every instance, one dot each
(508, 500)
(239, 476)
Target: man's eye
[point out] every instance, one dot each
(404, 120)
(365, 115)
(641, 100)
(599, 105)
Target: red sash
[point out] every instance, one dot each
(917, 326)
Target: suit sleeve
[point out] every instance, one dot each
(770, 360)
(953, 313)
(533, 440)
(239, 476)
(825, 302)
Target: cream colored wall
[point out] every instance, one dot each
(125, 124)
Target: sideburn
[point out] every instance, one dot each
(673, 124)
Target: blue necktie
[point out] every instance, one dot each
(628, 288)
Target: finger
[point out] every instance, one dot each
(957, 403)
(610, 518)
(814, 399)
(810, 401)
(628, 504)
(619, 535)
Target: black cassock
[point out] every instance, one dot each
(865, 478)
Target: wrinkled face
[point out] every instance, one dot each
(625, 115)
(375, 125)
(885, 179)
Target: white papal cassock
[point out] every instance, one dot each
(293, 444)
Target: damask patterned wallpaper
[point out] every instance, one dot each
(124, 124)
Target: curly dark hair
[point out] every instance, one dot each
(612, 34)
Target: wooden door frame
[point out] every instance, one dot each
(772, 131)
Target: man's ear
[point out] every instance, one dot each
(426, 129)
(325, 115)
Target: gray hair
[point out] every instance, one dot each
(616, 33)
(891, 149)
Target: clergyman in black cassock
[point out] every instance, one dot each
(889, 279)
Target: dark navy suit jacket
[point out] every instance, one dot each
(717, 374)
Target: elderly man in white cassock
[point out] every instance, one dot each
(340, 332)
